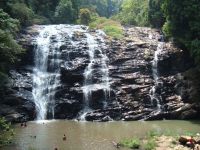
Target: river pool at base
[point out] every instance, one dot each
(90, 135)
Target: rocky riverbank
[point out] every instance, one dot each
(161, 142)
(171, 143)
(130, 78)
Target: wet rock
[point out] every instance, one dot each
(94, 116)
(183, 140)
(5, 110)
(130, 77)
(106, 118)
(172, 63)
(21, 80)
(16, 118)
(14, 100)
(133, 117)
(78, 36)
(185, 112)
(67, 109)
(133, 88)
(190, 114)
(10, 113)
(158, 116)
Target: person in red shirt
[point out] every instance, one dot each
(192, 142)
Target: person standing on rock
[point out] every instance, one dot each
(192, 142)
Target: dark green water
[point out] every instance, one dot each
(88, 135)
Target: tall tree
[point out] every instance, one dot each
(156, 16)
(65, 13)
(44, 8)
(183, 24)
(85, 17)
(104, 8)
(9, 48)
(134, 12)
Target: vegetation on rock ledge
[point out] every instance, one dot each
(6, 133)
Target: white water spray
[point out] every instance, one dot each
(96, 58)
(155, 97)
(46, 74)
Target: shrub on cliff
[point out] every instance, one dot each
(110, 27)
(85, 17)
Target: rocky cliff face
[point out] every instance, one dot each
(131, 80)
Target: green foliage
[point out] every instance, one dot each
(9, 48)
(150, 145)
(105, 8)
(174, 142)
(44, 8)
(29, 12)
(133, 12)
(21, 12)
(97, 22)
(183, 24)
(110, 27)
(194, 46)
(152, 134)
(41, 20)
(113, 31)
(156, 16)
(131, 143)
(8, 24)
(85, 17)
(6, 133)
(65, 12)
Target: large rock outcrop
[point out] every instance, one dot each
(131, 80)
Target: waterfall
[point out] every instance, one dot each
(156, 98)
(98, 63)
(48, 62)
(46, 73)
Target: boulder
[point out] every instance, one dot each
(67, 109)
(189, 114)
(183, 140)
(10, 114)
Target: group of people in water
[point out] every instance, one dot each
(64, 139)
(191, 142)
(24, 124)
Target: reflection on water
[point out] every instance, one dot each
(88, 135)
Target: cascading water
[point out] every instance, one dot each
(98, 62)
(48, 62)
(104, 68)
(155, 97)
(46, 73)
